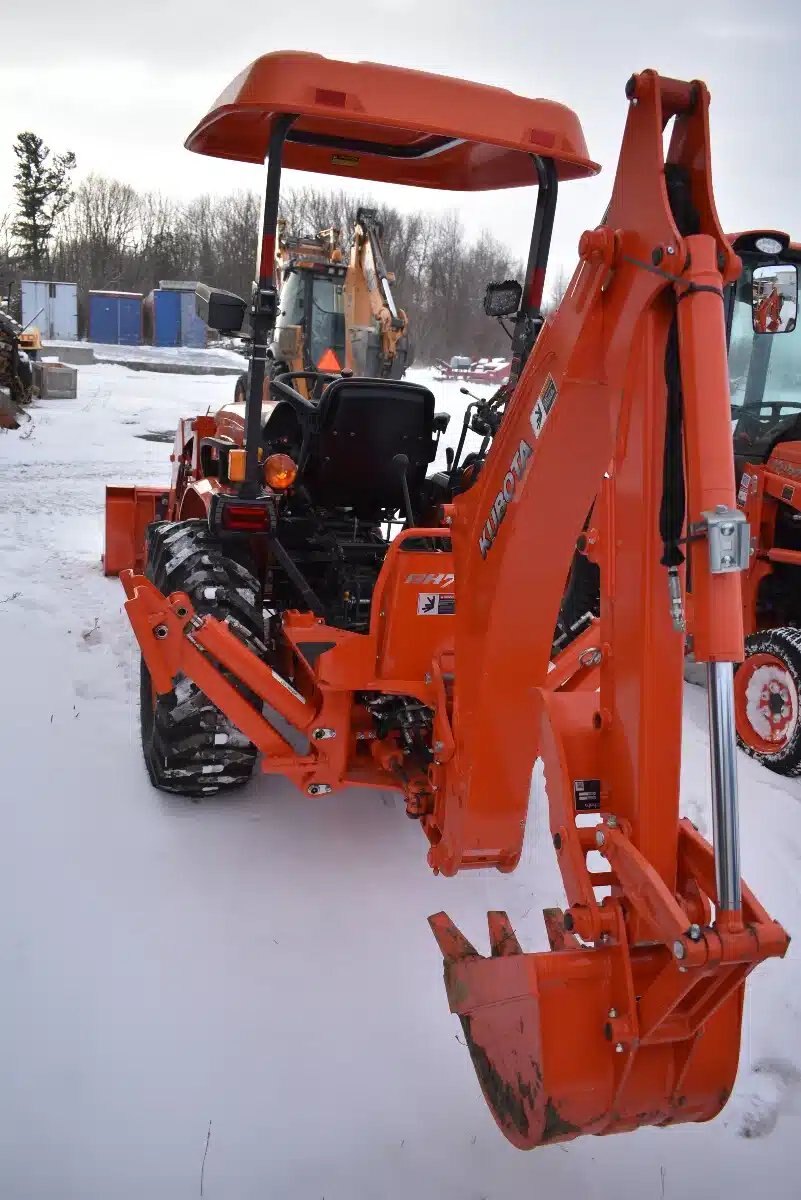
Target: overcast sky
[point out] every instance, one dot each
(121, 84)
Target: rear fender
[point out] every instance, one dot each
(196, 499)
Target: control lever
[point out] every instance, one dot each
(401, 463)
(450, 455)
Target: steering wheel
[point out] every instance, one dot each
(299, 402)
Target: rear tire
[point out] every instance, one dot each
(190, 748)
(767, 699)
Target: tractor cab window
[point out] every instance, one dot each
(327, 323)
(293, 299)
(764, 376)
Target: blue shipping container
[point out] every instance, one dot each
(193, 330)
(166, 318)
(115, 318)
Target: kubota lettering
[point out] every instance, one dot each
(505, 496)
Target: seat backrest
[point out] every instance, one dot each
(361, 425)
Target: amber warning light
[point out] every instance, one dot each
(280, 472)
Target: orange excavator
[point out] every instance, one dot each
(333, 313)
(416, 655)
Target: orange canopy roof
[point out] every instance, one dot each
(368, 121)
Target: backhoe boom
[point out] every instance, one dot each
(633, 362)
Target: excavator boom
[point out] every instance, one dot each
(370, 299)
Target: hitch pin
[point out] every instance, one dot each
(676, 601)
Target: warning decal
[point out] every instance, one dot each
(539, 413)
(436, 604)
(745, 483)
(587, 795)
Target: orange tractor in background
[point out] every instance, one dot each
(306, 589)
(765, 367)
(334, 313)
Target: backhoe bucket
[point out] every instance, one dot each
(129, 511)
(548, 1039)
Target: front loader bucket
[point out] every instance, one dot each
(546, 1034)
(129, 511)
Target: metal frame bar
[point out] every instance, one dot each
(536, 266)
(263, 306)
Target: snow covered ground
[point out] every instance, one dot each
(261, 967)
(210, 358)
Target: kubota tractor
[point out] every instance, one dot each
(765, 363)
(277, 613)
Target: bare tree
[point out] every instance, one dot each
(116, 237)
(559, 286)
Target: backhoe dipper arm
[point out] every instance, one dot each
(633, 362)
(367, 263)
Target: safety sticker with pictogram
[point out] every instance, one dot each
(436, 604)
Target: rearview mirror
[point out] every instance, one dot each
(502, 299)
(774, 298)
(223, 311)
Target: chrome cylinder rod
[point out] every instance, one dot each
(722, 751)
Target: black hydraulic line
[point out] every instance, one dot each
(460, 444)
(305, 589)
(672, 508)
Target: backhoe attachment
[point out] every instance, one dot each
(633, 1016)
(619, 407)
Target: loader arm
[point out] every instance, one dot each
(370, 290)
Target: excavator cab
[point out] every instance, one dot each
(310, 327)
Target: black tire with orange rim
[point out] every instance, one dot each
(767, 699)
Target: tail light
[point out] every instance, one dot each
(245, 518)
(280, 472)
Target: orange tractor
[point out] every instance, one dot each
(765, 363)
(307, 591)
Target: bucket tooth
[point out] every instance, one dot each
(451, 941)
(558, 936)
(503, 939)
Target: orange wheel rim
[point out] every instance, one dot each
(765, 703)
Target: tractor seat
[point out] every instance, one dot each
(359, 427)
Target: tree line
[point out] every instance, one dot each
(102, 233)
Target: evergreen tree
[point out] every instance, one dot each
(42, 184)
